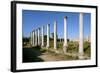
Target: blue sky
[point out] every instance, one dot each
(33, 19)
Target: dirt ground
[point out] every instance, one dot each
(37, 55)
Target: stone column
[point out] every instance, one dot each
(55, 35)
(48, 34)
(33, 40)
(65, 36)
(38, 36)
(42, 29)
(81, 36)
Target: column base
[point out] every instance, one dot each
(56, 51)
(32, 45)
(47, 47)
(65, 49)
(36, 45)
(42, 45)
(81, 56)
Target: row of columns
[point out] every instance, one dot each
(35, 36)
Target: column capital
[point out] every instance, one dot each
(48, 24)
(39, 28)
(33, 30)
(65, 17)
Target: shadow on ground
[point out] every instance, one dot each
(32, 54)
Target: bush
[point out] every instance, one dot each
(72, 47)
(87, 48)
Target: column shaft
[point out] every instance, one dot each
(65, 35)
(48, 34)
(33, 33)
(38, 36)
(55, 35)
(42, 36)
(35, 37)
(31, 38)
(81, 35)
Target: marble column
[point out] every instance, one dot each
(48, 35)
(55, 35)
(33, 38)
(42, 30)
(81, 36)
(38, 36)
(65, 36)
